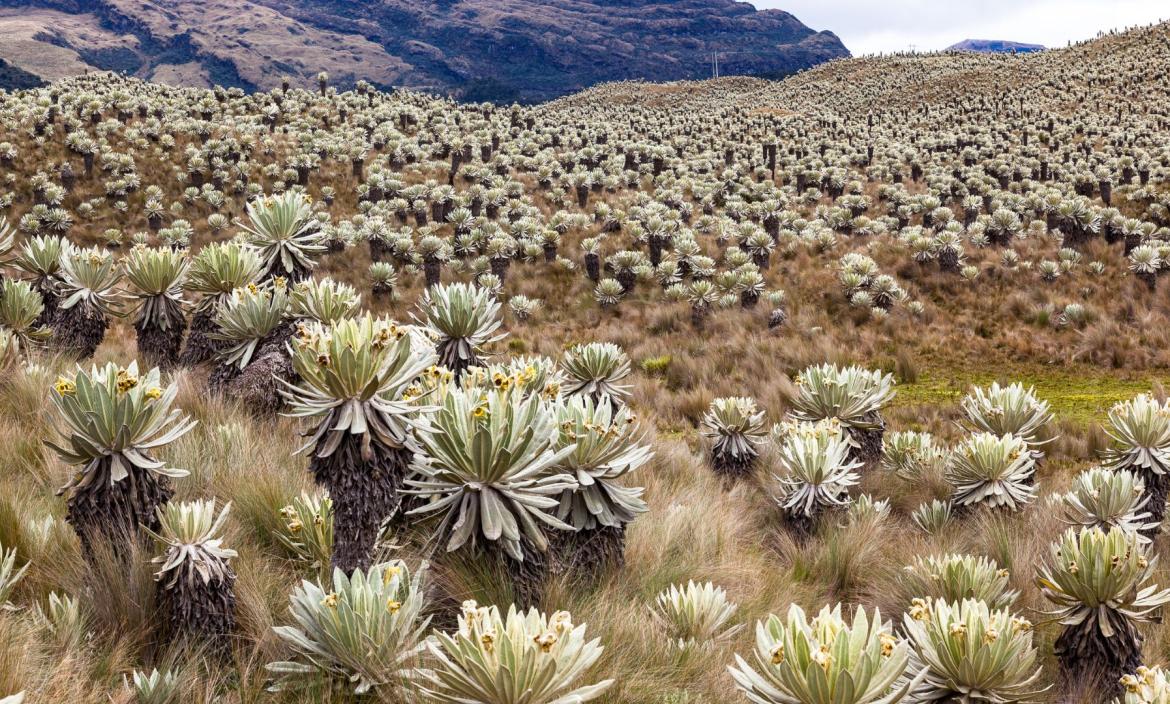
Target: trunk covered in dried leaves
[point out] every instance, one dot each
(200, 346)
(78, 332)
(589, 554)
(116, 511)
(365, 492)
(194, 608)
(1088, 657)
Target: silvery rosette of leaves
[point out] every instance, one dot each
(111, 412)
(324, 300)
(40, 257)
(1109, 499)
(1149, 685)
(488, 469)
(852, 395)
(969, 649)
(910, 454)
(1140, 429)
(534, 374)
(1101, 578)
(695, 615)
(1010, 410)
(816, 470)
(20, 307)
(596, 368)
(219, 268)
(825, 660)
(954, 578)
(736, 425)
(366, 629)
(88, 278)
(354, 373)
(247, 316)
(464, 318)
(607, 445)
(992, 470)
(157, 274)
(491, 658)
(284, 231)
(193, 549)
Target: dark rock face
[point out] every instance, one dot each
(16, 78)
(499, 50)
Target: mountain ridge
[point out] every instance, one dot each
(995, 46)
(502, 49)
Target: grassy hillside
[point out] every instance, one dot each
(948, 220)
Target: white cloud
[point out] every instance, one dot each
(869, 26)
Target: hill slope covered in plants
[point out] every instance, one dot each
(890, 335)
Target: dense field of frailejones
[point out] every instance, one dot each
(841, 389)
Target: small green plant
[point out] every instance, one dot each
(656, 366)
(695, 615)
(154, 688)
(64, 619)
(932, 517)
(308, 531)
(9, 576)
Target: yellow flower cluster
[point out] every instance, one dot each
(778, 654)
(823, 656)
(919, 611)
(1143, 683)
(390, 573)
(64, 387)
(125, 381)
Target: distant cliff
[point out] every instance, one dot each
(484, 49)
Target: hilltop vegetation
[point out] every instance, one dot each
(758, 336)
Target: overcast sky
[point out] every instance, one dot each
(868, 26)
